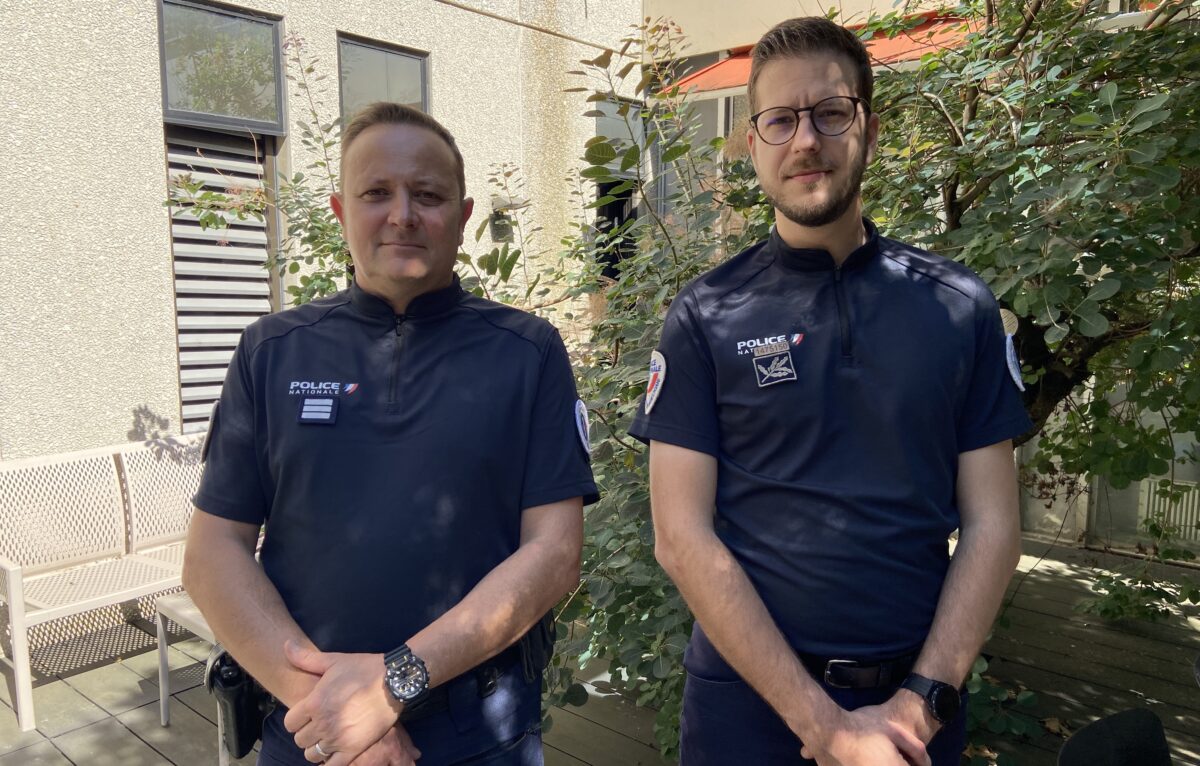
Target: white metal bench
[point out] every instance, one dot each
(84, 530)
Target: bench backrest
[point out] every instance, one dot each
(61, 509)
(162, 476)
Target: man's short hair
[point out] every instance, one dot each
(806, 35)
(391, 113)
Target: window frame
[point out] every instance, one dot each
(365, 42)
(216, 121)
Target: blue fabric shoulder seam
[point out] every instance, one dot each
(280, 335)
(748, 253)
(886, 253)
(540, 348)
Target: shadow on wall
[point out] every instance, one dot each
(154, 431)
(147, 425)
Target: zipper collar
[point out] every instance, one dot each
(424, 306)
(815, 259)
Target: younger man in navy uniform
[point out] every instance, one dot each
(823, 410)
(419, 458)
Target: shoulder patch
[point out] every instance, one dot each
(1011, 323)
(582, 426)
(654, 384)
(208, 433)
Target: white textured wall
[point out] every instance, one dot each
(87, 323)
(87, 333)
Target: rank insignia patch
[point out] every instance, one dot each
(318, 409)
(773, 364)
(654, 384)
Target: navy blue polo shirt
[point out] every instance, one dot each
(391, 456)
(836, 401)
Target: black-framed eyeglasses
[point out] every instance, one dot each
(831, 116)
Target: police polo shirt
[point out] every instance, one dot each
(391, 456)
(836, 402)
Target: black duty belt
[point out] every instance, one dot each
(487, 676)
(852, 674)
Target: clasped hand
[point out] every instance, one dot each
(892, 734)
(349, 713)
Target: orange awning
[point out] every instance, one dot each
(936, 32)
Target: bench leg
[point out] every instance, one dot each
(222, 753)
(164, 670)
(23, 676)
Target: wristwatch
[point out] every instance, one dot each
(405, 674)
(942, 699)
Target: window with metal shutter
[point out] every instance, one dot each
(221, 283)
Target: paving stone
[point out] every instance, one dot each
(108, 743)
(11, 736)
(146, 663)
(61, 709)
(200, 701)
(190, 739)
(196, 648)
(40, 754)
(113, 687)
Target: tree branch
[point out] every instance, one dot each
(1165, 11)
(961, 141)
(1030, 15)
(979, 188)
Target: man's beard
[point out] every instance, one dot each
(829, 211)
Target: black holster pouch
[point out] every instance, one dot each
(242, 703)
(537, 647)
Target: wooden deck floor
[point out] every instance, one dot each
(1083, 668)
(1080, 668)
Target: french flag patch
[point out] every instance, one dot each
(318, 409)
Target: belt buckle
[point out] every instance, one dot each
(830, 665)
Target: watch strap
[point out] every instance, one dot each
(936, 694)
(919, 684)
(397, 655)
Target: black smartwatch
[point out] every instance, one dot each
(405, 674)
(942, 699)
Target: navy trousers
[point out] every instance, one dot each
(726, 723)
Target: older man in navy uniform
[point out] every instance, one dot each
(419, 458)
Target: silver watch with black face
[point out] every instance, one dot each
(405, 674)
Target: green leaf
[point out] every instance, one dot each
(631, 157)
(1093, 325)
(1054, 334)
(1163, 176)
(1108, 94)
(1104, 289)
(662, 667)
(1149, 104)
(596, 173)
(674, 152)
(600, 153)
(1086, 119)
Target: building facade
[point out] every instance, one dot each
(117, 319)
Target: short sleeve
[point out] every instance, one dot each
(231, 486)
(992, 410)
(681, 408)
(557, 465)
